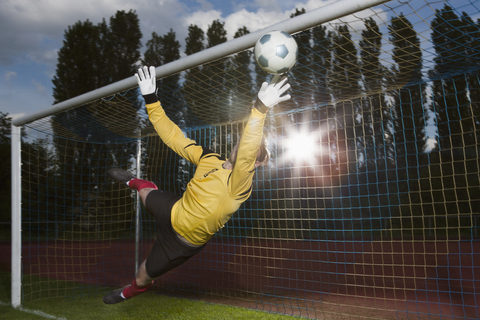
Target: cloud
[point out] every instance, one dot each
(38, 87)
(265, 14)
(29, 28)
(9, 75)
(287, 6)
(206, 6)
(314, 4)
(202, 19)
(32, 31)
(253, 20)
(269, 5)
(260, 14)
(431, 144)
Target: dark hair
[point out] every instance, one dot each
(264, 156)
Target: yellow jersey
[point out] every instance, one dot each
(214, 194)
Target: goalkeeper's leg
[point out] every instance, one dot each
(123, 176)
(142, 281)
(139, 285)
(167, 252)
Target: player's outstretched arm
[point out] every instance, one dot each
(168, 131)
(270, 94)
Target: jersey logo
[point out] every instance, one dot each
(211, 171)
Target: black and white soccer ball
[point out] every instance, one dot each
(276, 52)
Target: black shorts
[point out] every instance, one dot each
(168, 251)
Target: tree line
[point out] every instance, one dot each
(376, 116)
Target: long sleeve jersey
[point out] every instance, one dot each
(214, 194)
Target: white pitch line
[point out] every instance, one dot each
(35, 312)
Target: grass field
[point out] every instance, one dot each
(149, 305)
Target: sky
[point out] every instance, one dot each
(33, 31)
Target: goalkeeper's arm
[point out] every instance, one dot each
(268, 96)
(168, 131)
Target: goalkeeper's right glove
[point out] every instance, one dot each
(272, 94)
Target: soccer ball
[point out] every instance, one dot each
(276, 52)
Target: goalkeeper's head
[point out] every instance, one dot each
(263, 154)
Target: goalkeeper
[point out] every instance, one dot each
(186, 222)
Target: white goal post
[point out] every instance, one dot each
(16, 217)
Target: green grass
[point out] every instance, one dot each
(146, 306)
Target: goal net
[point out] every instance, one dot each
(368, 207)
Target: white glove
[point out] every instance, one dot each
(146, 80)
(271, 94)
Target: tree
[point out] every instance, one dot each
(375, 112)
(409, 113)
(450, 94)
(375, 116)
(321, 58)
(195, 40)
(241, 83)
(124, 40)
(471, 41)
(345, 71)
(217, 106)
(91, 57)
(95, 56)
(370, 47)
(216, 33)
(152, 55)
(5, 129)
(455, 95)
(300, 74)
(80, 47)
(162, 50)
(39, 165)
(345, 88)
(5, 168)
(193, 89)
(410, 116)
(38, 162)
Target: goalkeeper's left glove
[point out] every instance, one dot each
(272, 94)
(146, 80)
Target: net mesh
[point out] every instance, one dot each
(378, 220)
